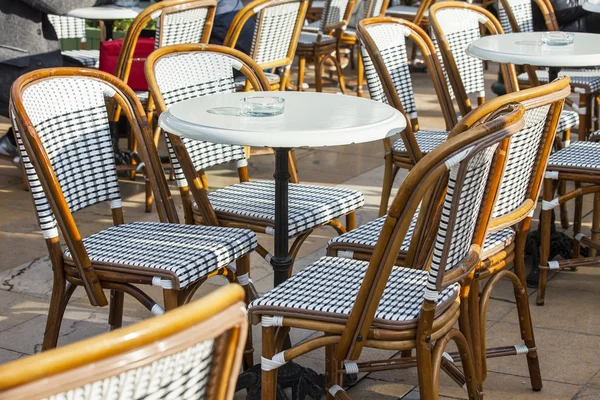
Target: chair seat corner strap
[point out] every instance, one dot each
(163, 283)
(521, 349)
(334, 389)
(157, 310)
(277, 361)
(351, 367)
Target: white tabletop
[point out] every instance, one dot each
(527, 48)
(108, 12)
(310, 119)
(591, 7)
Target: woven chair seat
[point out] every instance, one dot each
(310, 38)
(568, 119)
(184, 253)
(427, 141)
(87, 58)
(240, 81)
(586, 79)
(367, 234)
(579, 155)
(403, 11)
(312, 26)
(326, 291)
(310, 206)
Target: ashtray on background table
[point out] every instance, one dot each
(262, 106)
(557, 38)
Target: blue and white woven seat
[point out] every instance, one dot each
(327, 289)
(579, 155)
(309, 206)
(74, 28)
(181, 254)
(428, 140)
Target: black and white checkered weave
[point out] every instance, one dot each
(69, 114)
(190, 252)
(426, 139)
(273, 32)
(461, 27)
(181, 27)
(375, 6)
(568, 119)
(578, 154)
(184, 375)
(74, 28)
(334, 12)
(523, 152)
(367, 235)
(521, 10)
(309, 205)
(328, 289)
(189, 75)
(586, 79)
(457, 237)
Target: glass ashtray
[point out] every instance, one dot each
(557, 38)
(262, 106)
(127, 3)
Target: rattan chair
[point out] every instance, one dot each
(322, 41)
(417, 14)
(74, 28)
(385, 43)
(64, 139)
(193, 352)
(378, 305)
(177, 22)
(517, 16)
(368, 9)
(455, 25)
(278, 24)
(177, 73)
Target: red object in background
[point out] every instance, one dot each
(109, 56)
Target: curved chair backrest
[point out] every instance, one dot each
(421, 13)
(471, 166)
(68, 27)
(177, 73)
(455, 25)
(194, 351)
(178, 22)
(517, 15)
(60, 116)
(276, 32)
(335, 16)
(385, 58)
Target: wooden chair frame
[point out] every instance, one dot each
(318, 52)
(250, 11)
(81, 271)
(219, 315)
(395, 161)
(346, 341)
(198, 185)
(125, 60)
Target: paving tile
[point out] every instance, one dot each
(33, 278)
(595, 381)
(584, 279)
(16, 308)
(557, 349)
(9, 355)
(368, 389)
(18, 249)
(567, 310)
(588, 393)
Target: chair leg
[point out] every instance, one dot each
(319, 73)
(360, 73)
(332, 368)
(577, 218)
(350, 221)
(425, 372)
(242, 274)
(595, 224)
(388, 180)
(340, 72)
(564, 213)
(55, 314)
(301, 67)
(148, 194)
(269, 378)
(115, 315)
(171, 299)
(544, 243)
(584, 118)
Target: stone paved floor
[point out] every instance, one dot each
(567, 329)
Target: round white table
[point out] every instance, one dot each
(310, 120)
(108, 13)
(591, 7)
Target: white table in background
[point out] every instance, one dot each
(591, 7)
(310, 120)
(109, 13)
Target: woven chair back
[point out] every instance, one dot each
(193, 352)
(68, 27)
(517, 15)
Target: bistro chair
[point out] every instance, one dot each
(585, 82)
(417, 14)
(368, 9)
(74, 28)
(177, 73)
(177, 22)
(378, 305)
(385, 44)
(322, 41)
(192, 352)
(455, 25)
(276, 33)
(64, 138)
